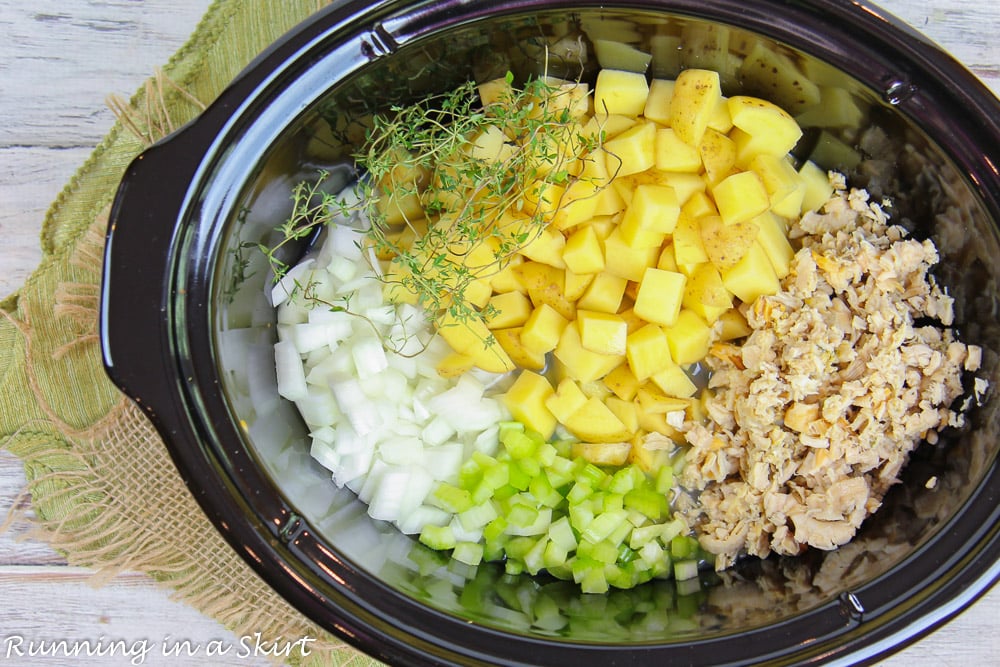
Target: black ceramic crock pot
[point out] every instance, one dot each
(186, 331)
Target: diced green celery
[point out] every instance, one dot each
(530, 466)
(546, 454)
(671, 530)
(521, 515)
(643, 535)
(681, 547)
(534, 560)
(611, 502)
(470, 474)
(519, 445)
(589, 474)
(556, 555)
(580, 516)
(451, 498)
(624, 480)
(625, 554)
(478, 516)
(664, 479)
(470, 553)
(685, 569)
(506, 428)
(647, 501)
(542, 490)
(561, 471)
(497, 474)
(518, 547)
(602, 526)
(579, 493)
(513, 566)
(438, 537)
(518, 523)
(561, 533)
(517, 477)
(504, 492)
(594, 581)
(495, 528)
(620, 533)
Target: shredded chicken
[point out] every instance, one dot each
(841, 377)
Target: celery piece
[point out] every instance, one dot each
(555, 555)
(580, 516)
(478, 516)
(507, 428)
(544, 493)
(561, 533)
(594, 581)
(579, 493)
(519, 546)
(647, 501)
(470, 553)
(589, 474)
(519, 445)
(521, 516)
(602, 526)
(664, 480)
(685, 569)
(451, 498)
(438, 537)
(517, 477)
(534, 560)
(546, 454)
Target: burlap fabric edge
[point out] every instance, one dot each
(101, 486)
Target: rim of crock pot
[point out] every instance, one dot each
(218, 488)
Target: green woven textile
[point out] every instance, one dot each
(103, 488)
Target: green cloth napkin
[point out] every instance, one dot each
(103, 488)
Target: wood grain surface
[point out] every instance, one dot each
(58, 62)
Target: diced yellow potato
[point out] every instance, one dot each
(595, 423)
(689, 338)
(455, 364)
(740, 197)
(718, 155)
(526, 402)
(604, 293)
(583, 252)
(567, 399)
(542, 329)
(626, 411)
(617, 55)
(546, 246)
(773, 239)
(673, 381)
(658, 101)
(818, 187)
(400, 190)
(651, 400)
(689, 249)
(666, 260)
(653, 422)
(720, 120)
(625, 261)
(660, 295)
(700, 204)
(495, 91)
(580, 363)
(622, 382)
(767, 71)
(510, 341)
(734, 326)
(546, 284)
(674, 154)
(620, 92)
(507, 309)
(603, 225)
(752, 276)
(602, 332)
(648, 458)
(602, 126)
(726, 244)
(477, 292)
(647, 351)
(785, 187)
(491, 145)
(696, 92)
(685, 185)
(595, 389)
(602, 453)
(576, 284)
(650, 215)
(570, 96)
(505, 278)
(632, 151)
(705, 294)
(470, 336)
(768, 128)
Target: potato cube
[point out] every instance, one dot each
(726, 244)
(602, 453)
(508, 309)
(653, 207)
(622, 382)
(454, 364)
(717, 153)
(525, 399)
(506, 279)
(666, 260)
(689, 249)
(602, 126)
(818, 188)
(773, 239)
(626, 411)
(575, 284)
(752, 276)
(660, 295)
(583, 252)
(785, 187)
(546, 284)
(689, 338)
(545, 245)
(733, 326)
(620, 92)
(721, 121)
(510, 341)
(684, 185)
(705, 294)
(602, 332)
(673, 381)
(567, 399)
(625, 261)
(740, 196)
(647, 351)
(700, 204)
(495, 91)
(604, 293)
(632, 151)
(652, 401)
(768, 128)
(770, 70)
(580, 363)
(542, 329)
(658, 101)
(491, 145)
(594, 422)
(470, 336)
(675, 155)
(696, 92)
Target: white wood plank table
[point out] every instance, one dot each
(58, 61)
